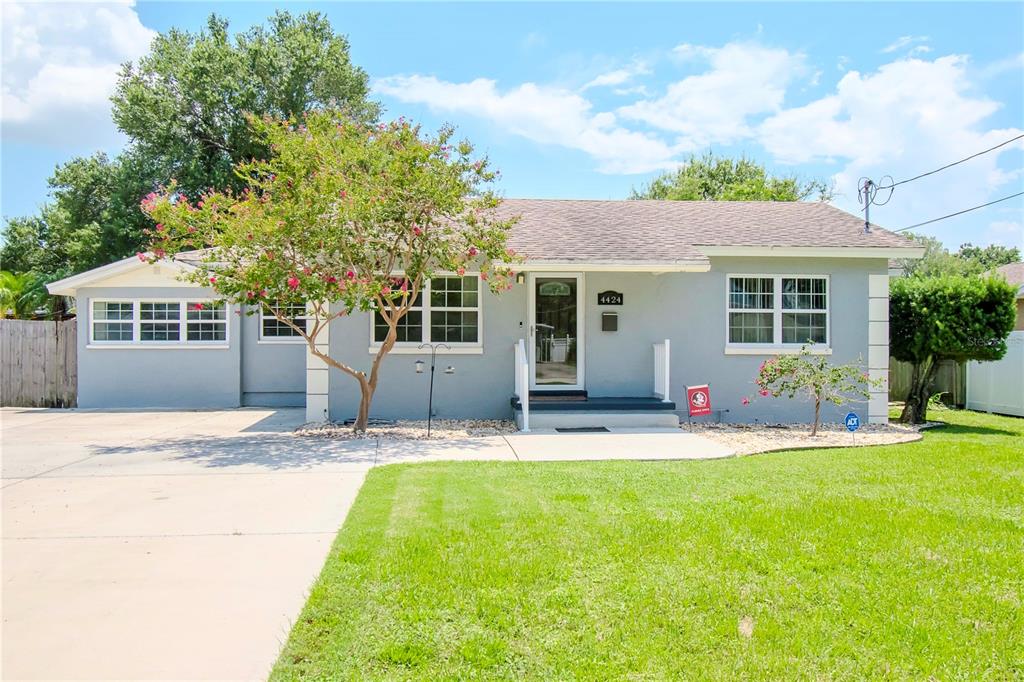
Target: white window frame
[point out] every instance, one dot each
(777, 347)
(265, 315)
(460, 347)
(136, 321)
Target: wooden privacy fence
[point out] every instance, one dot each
(38, 363)
(950, 379)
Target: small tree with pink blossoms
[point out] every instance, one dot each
(812, 376)
(342, 218)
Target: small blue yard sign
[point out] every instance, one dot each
(852, 422)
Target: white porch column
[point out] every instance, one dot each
(318, 379)
(878, 347)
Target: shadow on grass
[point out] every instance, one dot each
(949, 428)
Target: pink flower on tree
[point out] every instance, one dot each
(141, 256)
(472, 251)
(197, 306)
(350, 275)
(416, 230)
(461, 271)
(293, 282)
(745, 401)
(213, 280)
(764, 392)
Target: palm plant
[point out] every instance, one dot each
(22, 294)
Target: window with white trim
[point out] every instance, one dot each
(777, 310)
(446, 311)
(273, 329)
(158, 322)
(113, 321)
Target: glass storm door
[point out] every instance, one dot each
(556, 347)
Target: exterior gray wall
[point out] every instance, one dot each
(480, 388)
(153, 377)
(273, 373)
(687, 308)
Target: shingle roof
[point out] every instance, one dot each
(671, 231)
(1014, 274)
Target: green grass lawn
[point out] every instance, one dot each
(887, 562)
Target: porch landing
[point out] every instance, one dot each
(582, 411)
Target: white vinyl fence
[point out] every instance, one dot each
(999, 386)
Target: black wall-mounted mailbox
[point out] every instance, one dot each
(609, 322)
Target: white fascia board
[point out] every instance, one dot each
(69, 285)
(814, 251)
(611, 266)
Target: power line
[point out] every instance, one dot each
(949, 165)
(966, 210)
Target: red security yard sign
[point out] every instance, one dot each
(698, 398)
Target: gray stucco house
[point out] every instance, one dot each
(620, 305)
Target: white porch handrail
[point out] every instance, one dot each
(661, 370)
(522, 371)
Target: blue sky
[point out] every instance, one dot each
(589, 100)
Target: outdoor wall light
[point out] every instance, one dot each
(520, 277)
(419, 367)
(449, 370)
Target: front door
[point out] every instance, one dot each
(556, 328)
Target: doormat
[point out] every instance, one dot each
(583, 429)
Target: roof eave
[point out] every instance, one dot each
(69, 285)
(615, 265)
(885, 252)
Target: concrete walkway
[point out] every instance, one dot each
(181, 545)
(550, 446)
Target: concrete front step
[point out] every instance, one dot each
(632, 419)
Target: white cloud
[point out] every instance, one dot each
(1006, 233)
(548, 115)
(908, 117)
(715, 107)
(1012, 64)
(904, 41)
(60, 64)
(618, 76)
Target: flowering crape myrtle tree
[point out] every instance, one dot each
(344, 217)
(814, 377)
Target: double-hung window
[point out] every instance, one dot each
(777, 310)
(141, 322)
(446, 311)
(275, 331)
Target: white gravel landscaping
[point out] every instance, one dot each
(748, 439)
(440, 429)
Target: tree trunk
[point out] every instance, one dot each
(817, 416)
(366, 391)
(915, 407)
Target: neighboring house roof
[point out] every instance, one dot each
(687, 232)
(1014, 274)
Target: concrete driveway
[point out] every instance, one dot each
(143, 545)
